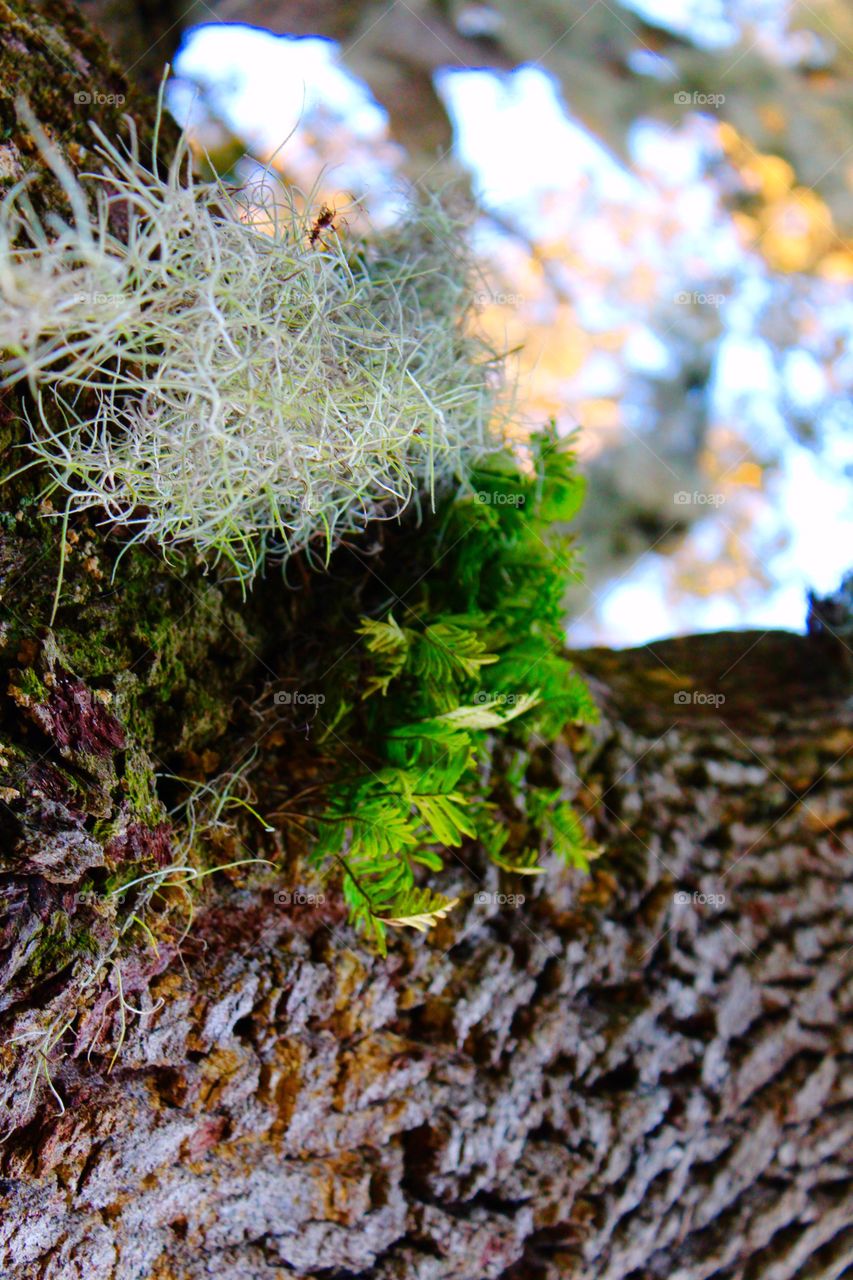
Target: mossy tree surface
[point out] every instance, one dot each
(600, 1082)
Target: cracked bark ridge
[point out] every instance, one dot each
(642, 1074)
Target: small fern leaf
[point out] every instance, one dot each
(447, 651)
(526, 864)
(419, 909)
(488, 716)
(569, 840)
(445, 817)
(388, 644)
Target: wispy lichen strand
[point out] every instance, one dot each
(208, 373)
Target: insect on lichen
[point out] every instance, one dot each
(206, 371)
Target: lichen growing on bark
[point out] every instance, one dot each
(209, 370)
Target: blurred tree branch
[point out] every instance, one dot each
(800, 111)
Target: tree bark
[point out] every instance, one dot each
(643, 1073)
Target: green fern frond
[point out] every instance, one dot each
(444, 817)
(561, 827)
(420, 909)
(388, 644)
(524, 864)
(449, 650)
(480, 657)
(479, 718)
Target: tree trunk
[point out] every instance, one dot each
(643, 1073)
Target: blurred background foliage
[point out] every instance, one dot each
(663, 201)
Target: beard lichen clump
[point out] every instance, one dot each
(208, 371)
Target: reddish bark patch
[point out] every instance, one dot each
(139, 843)
(226, 927)
(46, 783)
(208, 1134)
(80, 721)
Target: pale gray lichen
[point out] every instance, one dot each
(205, 374)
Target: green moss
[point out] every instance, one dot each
(140, 786)
(59, 944)
(32, 687)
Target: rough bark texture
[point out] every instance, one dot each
(605, 1081)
